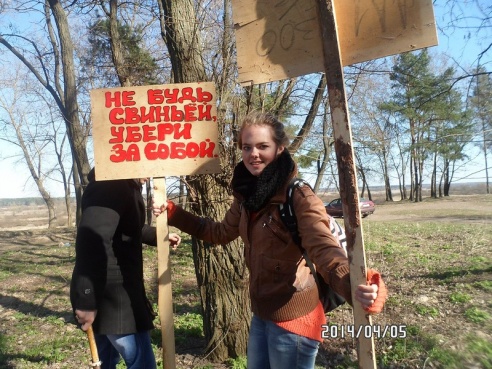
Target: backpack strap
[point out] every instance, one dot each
(289, 218)
(287, 213)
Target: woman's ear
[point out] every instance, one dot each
(280, 149)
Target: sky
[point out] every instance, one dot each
(462, 45)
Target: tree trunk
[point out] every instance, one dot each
(447, 183)
(222, 278)
(387, 184)
(414, 196)
(412, 176)
(70, 107)
(68, 104)
(369, 196)
(434, 178)
(401, 175)
(65, 178)
(78, 192)
(66, 195)
(221, 270)
(485, 148)
(182, 191)
(68, 207)
(402, 189)
(420, 180)
(324, 156)
(313, 110)
(116, 46)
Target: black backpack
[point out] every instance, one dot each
(329, 298)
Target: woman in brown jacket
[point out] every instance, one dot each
(288, 316)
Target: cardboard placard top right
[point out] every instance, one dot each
(281, 38)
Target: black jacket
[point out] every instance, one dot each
(108, 272)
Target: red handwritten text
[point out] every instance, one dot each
(153, 151)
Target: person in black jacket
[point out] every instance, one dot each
(107, 289)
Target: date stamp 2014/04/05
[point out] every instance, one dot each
(363, 331)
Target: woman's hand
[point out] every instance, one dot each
(158, 209)
(174, 240)
(366, 295)
(372, 295)
(85, 318)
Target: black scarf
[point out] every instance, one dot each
(258, 190)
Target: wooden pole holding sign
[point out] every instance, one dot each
(165, 300)
(347, 174)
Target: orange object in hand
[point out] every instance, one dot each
(171, 207)
(374, 277)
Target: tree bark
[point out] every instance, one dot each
(70, 107)
(222, 278)
(221, 271)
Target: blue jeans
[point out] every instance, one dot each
(135, 349)
(272, 347)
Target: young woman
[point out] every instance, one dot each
(287, 318)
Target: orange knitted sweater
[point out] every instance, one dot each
(308, 325)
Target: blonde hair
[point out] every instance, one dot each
(257, 118)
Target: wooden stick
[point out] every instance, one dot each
(96, 363)
(165, 300)
(347, 174)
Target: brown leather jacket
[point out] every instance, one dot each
(281, 285)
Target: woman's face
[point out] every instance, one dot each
(258, 148)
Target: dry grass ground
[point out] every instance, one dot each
(435, 257)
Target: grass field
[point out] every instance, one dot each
(435, 258)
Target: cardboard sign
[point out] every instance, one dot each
(278, 39)
(155, 131)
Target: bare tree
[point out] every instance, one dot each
(53, 67)
(313, 111)
(29, 135)
(324, 154)
(60, 158)
(373, 131)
